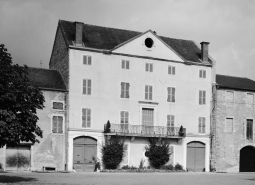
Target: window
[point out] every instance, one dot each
(86, 87)
(124, 90)
(202, 96)
(170, 120)
(57, 124)
(58, 105)
(170, 94)
(125, 64)
(148, 92)
(124, 117)
(250, 99)
(229, 125)
(249, 129)
(87, 60)
(147, 117)
(86, 118)
(149, 67)
(201, 125)
(202, 73)
(171, 70)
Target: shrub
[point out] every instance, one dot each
(125, 167)
(168, 167)
(141, 164)
(158, 152)
(107, 128)
(113, 152)
(178, 167)
(1, 167)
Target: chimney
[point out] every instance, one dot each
(204, 51)
(78, 33)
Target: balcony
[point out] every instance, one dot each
(145, 131)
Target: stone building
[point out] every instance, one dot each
(233, 145)
(146, 85)
(50, 153)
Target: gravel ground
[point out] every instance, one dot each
(129, 178)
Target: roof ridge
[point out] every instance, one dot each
(233, 76)
(42, 68)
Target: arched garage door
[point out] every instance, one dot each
(247, 159)
(195, 156)
(83, 150)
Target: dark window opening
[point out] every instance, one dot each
(149, 42)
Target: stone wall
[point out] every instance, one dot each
(226, 145)
(60, 57)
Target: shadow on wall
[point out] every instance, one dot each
(15, 179)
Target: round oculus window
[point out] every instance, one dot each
(148, 42)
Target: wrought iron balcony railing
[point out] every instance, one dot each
(143, 131)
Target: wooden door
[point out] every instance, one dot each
(195, 156)
(247, 159)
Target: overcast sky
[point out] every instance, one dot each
(27, 28)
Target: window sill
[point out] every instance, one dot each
(148, 102)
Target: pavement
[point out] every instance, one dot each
(103, 178)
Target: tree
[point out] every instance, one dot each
(19, 101)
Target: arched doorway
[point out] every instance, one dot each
(83, 150)
(195, 156)
(247, 159)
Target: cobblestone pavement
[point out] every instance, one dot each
(128, 178)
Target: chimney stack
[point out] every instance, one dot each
(204, 51)
(78, 33)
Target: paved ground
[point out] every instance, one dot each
(129, 178)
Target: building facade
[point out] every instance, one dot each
(145, 85)
(233, 146)
(50, 152)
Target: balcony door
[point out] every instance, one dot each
(147, 117)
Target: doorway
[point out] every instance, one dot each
(196, 156)
(83, 150)
(247, 159)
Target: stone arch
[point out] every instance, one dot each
(247, 159)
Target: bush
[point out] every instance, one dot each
(113, 152)
(158, 152)
(125, 167)
(168, 167)
(141, 164)
(178, 167)
(1, 167)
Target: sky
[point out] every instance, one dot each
(28, 27)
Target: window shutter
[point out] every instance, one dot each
(84, 117)
(199, 125)
(89, 87)
(84, 87)
(89, 60)
(146, 67)
(173, 70)
(168, 121)
(203, 97)
(146, 92)
(151, 67)
(168, 94)
(126, 117)
(122, 117)
(204, 73)
(173, 94)
(169, 69)
(85, 59)
(122, 90)
(54, 126)
(200, 97)
(203, 125)
(88, 118)
(60, 124)
(127, 64)
(123, 64)
(150, 92)
(127, 90)
(200, 73)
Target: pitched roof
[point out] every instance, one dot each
(99, 37)
(233, 82)
(46, 79)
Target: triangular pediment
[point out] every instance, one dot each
(148, 44)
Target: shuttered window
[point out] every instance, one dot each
(124, 117)
(148, 92)
(201, 125)
(249, 129)
(171, 70)
(149, 67)
(87, 60)
(202, 97)
(86, 118)
(202, 73)
(58, 105)
(125, 64)
(170, 94)
(57, 124)
(87, 86)
(124, 90)
(170, 120)
(147, 117)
